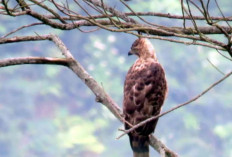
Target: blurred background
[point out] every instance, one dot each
(47, 111)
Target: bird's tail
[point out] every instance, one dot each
(139, 145)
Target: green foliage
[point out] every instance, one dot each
(75, 131)
(191, 122)
(223, 131)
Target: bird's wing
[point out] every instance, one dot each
(144, 93)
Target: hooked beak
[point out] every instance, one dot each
(129, 53)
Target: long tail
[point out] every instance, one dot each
(139, 145)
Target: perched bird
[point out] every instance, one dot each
(145, 89)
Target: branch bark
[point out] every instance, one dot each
(118, 21)
(33, 60)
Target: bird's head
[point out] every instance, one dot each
(142, 48)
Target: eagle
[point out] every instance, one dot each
(145, 90)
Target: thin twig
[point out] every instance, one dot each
(183, 16)
(223, 55)
(214, 66)
(20, 28)
(113, 11)
(152, 24)
(6, 7)
(224, 18)
(49, 10)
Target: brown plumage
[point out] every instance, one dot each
(145, 90)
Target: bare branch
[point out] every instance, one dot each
(193, 3)
(180, 41)
(160, 147)
(215, 67)
(23, 5)
(20, 28)
(183, 16)
(76, 67)
(33, 60)
(49, 10)
(113, 11)
(142, 19)
(23, 38)
(224, 18)
(129, 27)
(46, 20)
(224, 55)
(6, 7)
(163, 15)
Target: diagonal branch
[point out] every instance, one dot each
(75, 66)
(20, 28)
(5, 4)
(161, 148)
(69, 61)
(49, 10)
(103, 97)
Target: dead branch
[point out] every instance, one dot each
(23, 38)
(33, 60)
(117, 21)
(20, 28)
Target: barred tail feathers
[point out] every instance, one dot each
(139, 145)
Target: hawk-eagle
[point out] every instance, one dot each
(145, 90)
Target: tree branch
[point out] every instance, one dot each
(20, 28)
(33, 60)
(160, 147)
(112, 10)
(23, 38)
